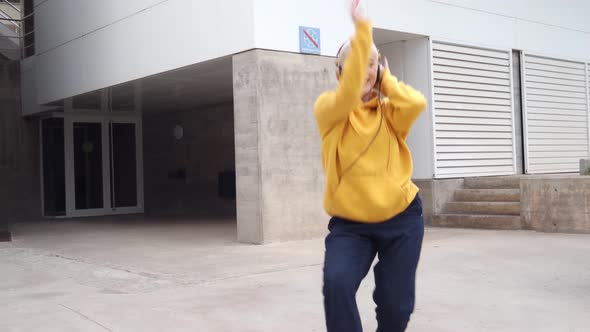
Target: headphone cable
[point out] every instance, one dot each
(349, 167)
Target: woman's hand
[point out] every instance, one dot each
(357, 13)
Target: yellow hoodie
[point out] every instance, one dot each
(378, 186)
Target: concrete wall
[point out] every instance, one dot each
(280, 179)
(427, 195)
(436, 194)
(206, 149)
(19, 152)
(556, 204)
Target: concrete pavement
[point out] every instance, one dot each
(175, 275)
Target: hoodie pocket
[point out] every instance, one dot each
(368, 198)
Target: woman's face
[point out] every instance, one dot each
(372, 73)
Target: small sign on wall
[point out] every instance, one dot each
(309, 40)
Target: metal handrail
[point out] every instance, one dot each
(18, 10)
(15, 19)
(12, 5)
(19, 37)
(19, 24)
(5, 17)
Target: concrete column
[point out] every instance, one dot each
(279, 175)
(517, 100)
(19, 154)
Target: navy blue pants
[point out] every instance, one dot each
(351, 248)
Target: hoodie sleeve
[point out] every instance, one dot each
(334, 106)
(404, 104)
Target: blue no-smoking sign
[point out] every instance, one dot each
(309, 40)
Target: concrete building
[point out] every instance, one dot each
(204, 108)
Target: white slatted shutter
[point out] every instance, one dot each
(474, 127)
(556, 114)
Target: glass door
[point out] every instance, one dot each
(126, 179)
(87, 177)
(104, 166)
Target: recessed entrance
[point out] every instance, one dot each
(91, 165)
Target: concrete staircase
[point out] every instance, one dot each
(484, 202)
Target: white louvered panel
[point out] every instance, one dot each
(560, 145)
(468, 79)
(473, 120)
(475, 148)
(557, 106)
(561, 100)
(481, 53)
(555, 87)
(470, 72)
(472, 93)
(475, 171)
(557, 135)
(554, 63)
(475, 114)
(473, 86)
(471, 107)
(472, 134)
(473, 128)
(473, 65)
(462, 142)
(557, 117)
(553, 168)
(556, 81)
(471, 163)
(556, 111)
(554, 74)
(548, 154)
(471, 100)
(548, 124)
(467, 57)
(549, 148)
(550, 68)
(551, 111)
(563, 93)
(477, 155)
(473, 111)
(553, 161)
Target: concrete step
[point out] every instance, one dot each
(477, 221)
(497, 182)
(487, 195)
(497, 208)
